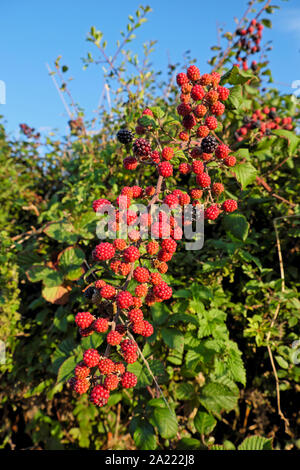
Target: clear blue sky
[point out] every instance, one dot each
(34, 32)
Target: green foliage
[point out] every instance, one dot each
(209, 355)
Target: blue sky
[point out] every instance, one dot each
(34, 33)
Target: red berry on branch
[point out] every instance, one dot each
(99, 395)
(106, 366)
(104, 251)
(124, 299)
(203, 180)
(165, 169)
(84, 319)
(114, 337)
(128, 380)
(193, 73)
(91, 357)
(230, 205)
(100, 325)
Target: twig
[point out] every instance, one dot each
(59, 92)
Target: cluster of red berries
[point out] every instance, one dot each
(140, 260)
(264, 120)
(249, 43)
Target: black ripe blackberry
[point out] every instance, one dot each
(124, 136)
(246, 120)
(89, 292)
(141, 147)
(272, 115)
(209, 144)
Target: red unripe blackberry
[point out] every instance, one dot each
(119, 368)
(186, 88)
(104, 251)
(99, 395)
(167, 153)
(189, 121)
(171, 200)
(141, 274)
(108, 292)
(217, 188)
(128, 380)
(193, 73)
(106, 366)
(140, 291)
(169, 245)
(164, 255)
(205, 79)
(123, 202)
(197, 92)
(141, 147)
(120, 244)
(183, 136)
(81, 386)
(162, 267)
(148, 329)
(211, 212)
(196, 193)
(177, 193)
(82, 371)
(147, 112)
(130, 357)
(156, 278)
(223, 93)
(222, 151)
(124, 269)
(184, 199)
(127, 191)
(91, 357)
(181, 79)
(100, 203)
(203, 180)
(138, 326)
(230, 205)
(124, 299)
(211, 122)
(84, 319)
(165, 169)
(150, 191)
(134, 235)
(130, 163)
(135, 315)
(100, 283)
(230, 160)
(215, 78)
(217, 108)
(155, 156)
(200, 110)
(184, 168)
(212, 96)
(114, 337)
(100, 325)
(152, 247)
(198, 167)
(184, 109)
(176, 233)
(129, 346)
(111, 382)
(202, 131)
(137, 191)
(131, 217)
(163, 291)
(131, 254)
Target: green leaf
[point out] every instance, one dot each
(266, 22)
(204, 422)
(144, 435)
(66, 370)
(165, 420)
(235, 99)
(147, 121)
(235, 76)
(189, 443)
(61, 231)
(256, 443)
(92, 342)
(173, 338)
(292, 139)
(216, 397)
(184, 391)
(50, 277)
(157, 111)
(245, 174)
(237, 225)
(58, 295)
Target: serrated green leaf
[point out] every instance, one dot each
(256, 443)
(237, 225)
(204, 422)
